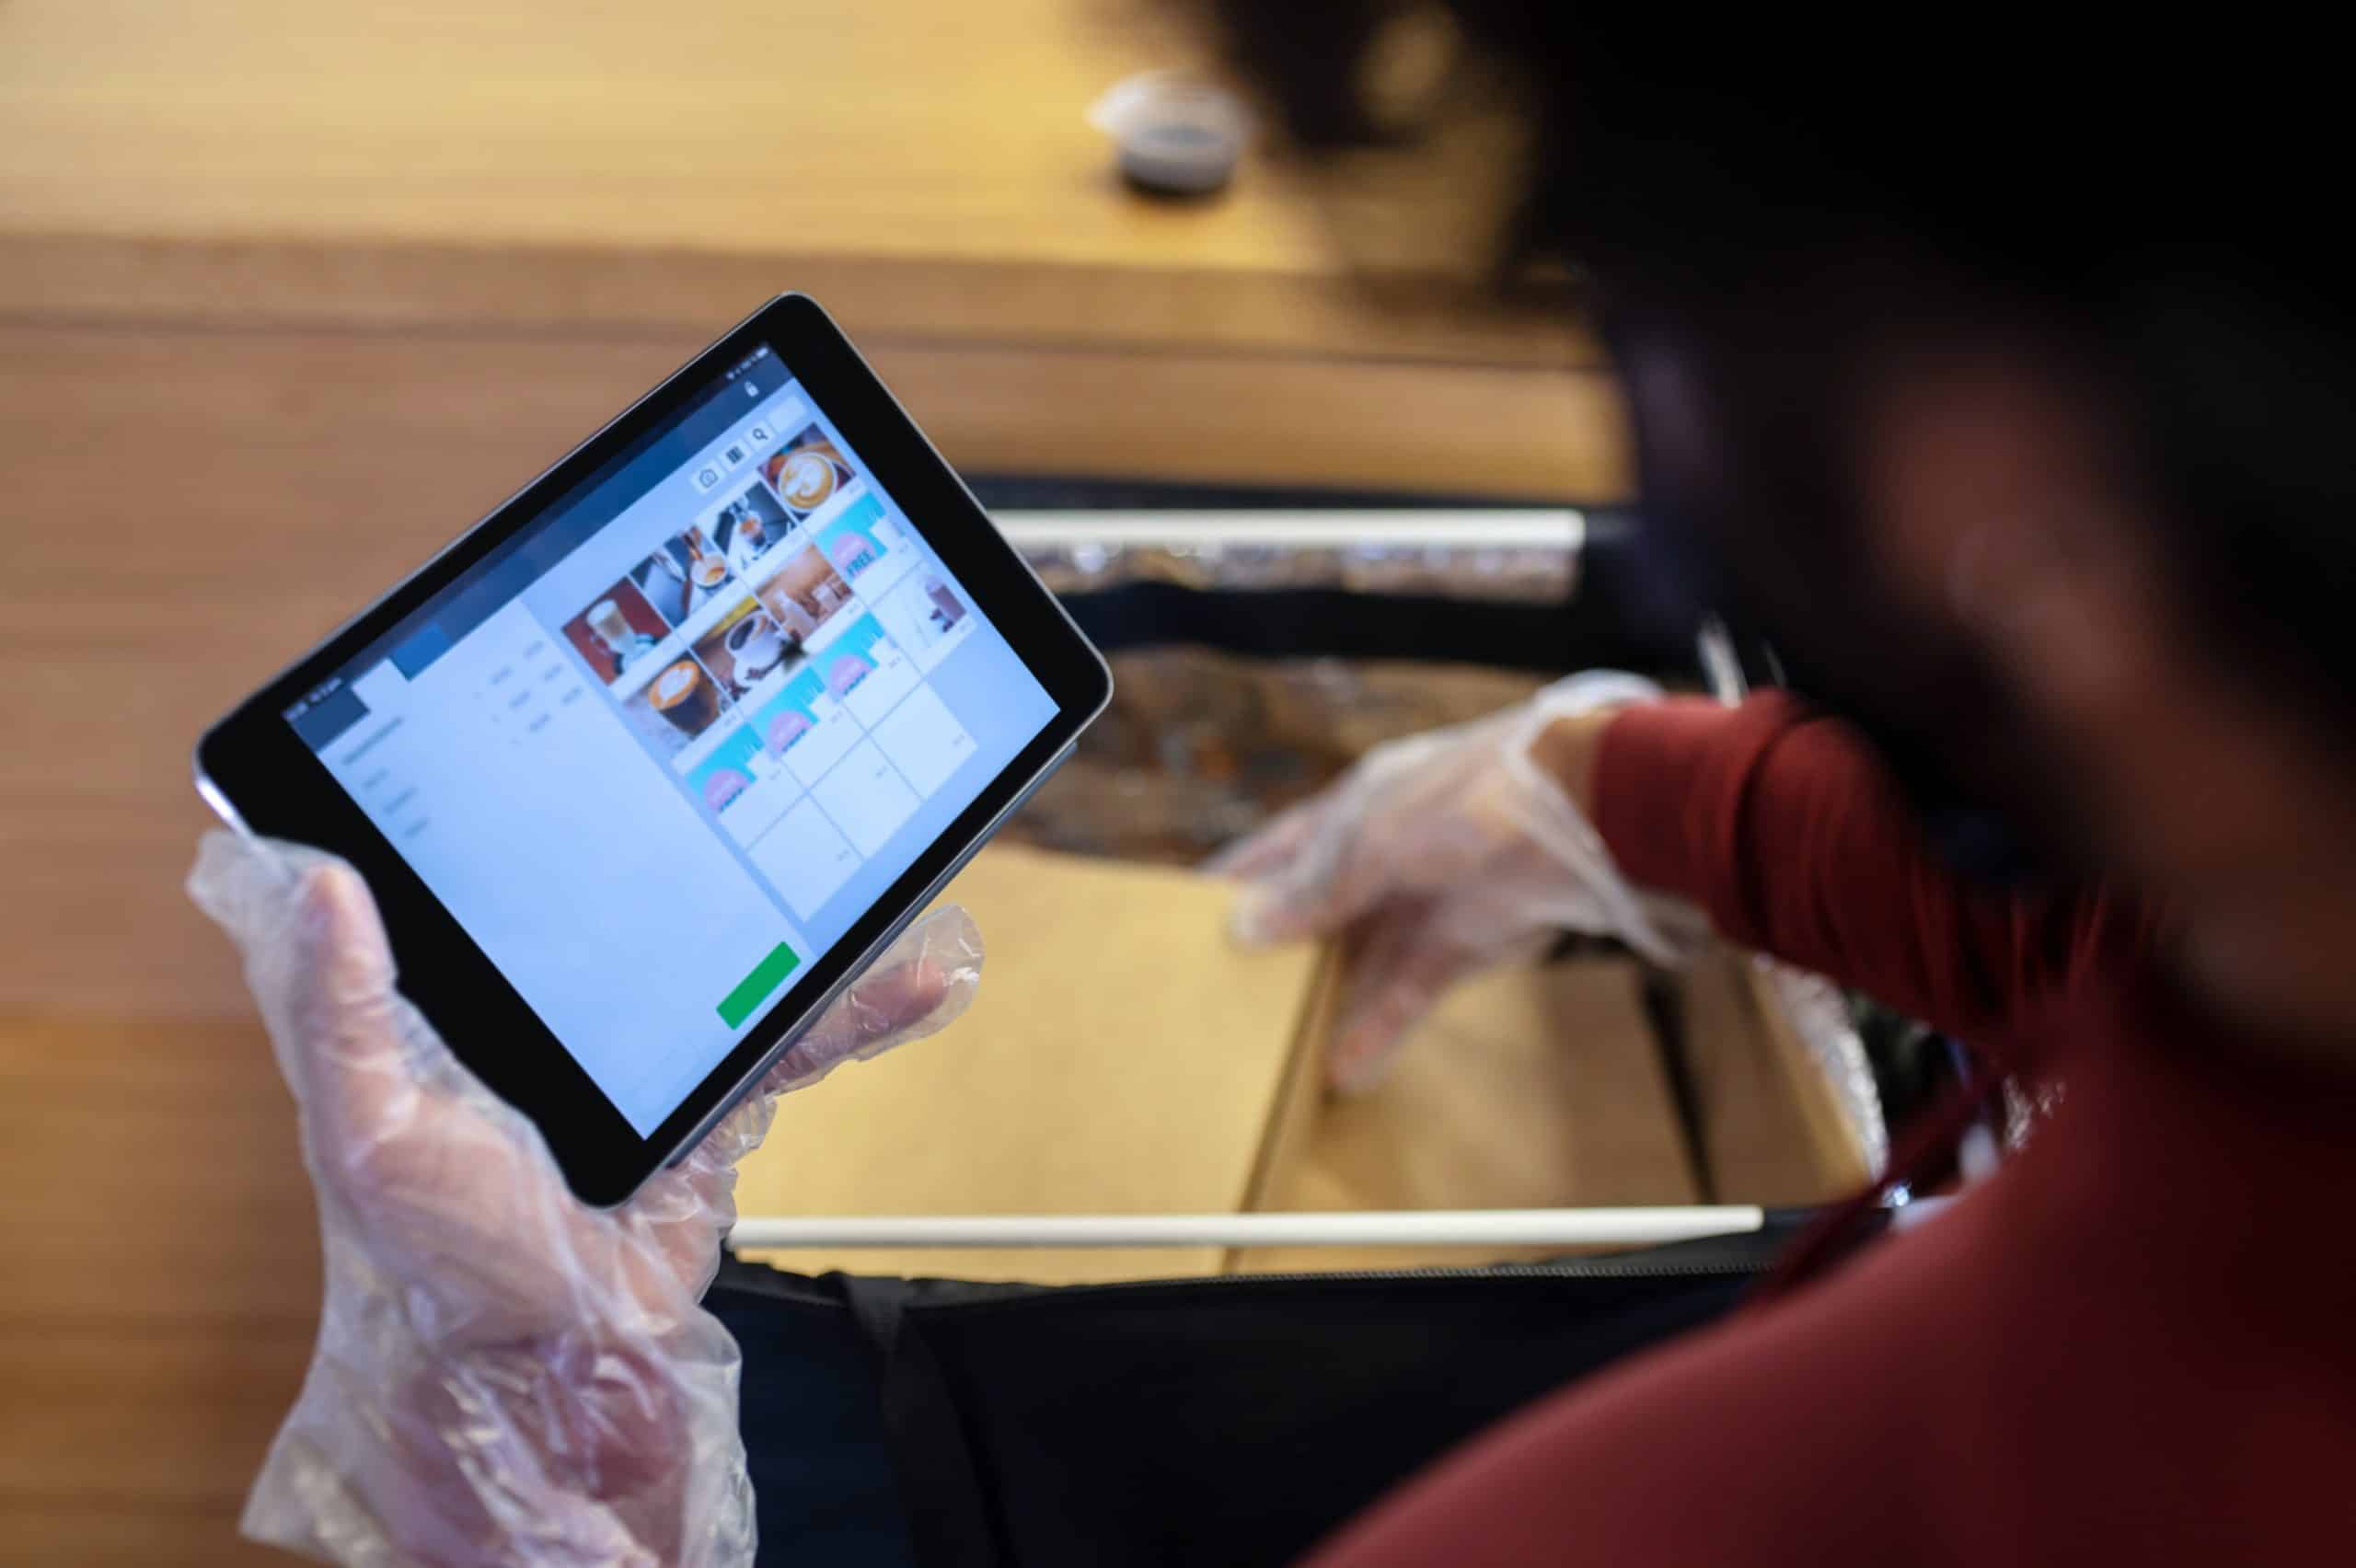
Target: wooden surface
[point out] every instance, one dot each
(927, 169)
(1526, 1088)
(1289, 1140)
(1770, 1130)
(939, 132)
(160, 1283)
(1123, 1057)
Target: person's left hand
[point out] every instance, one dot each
(504, 1375)
(1440, 854)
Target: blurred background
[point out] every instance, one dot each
(292, 292)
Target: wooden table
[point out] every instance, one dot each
(927, 169)
(291, 292)
(547, 185)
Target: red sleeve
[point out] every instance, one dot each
(1784, 825)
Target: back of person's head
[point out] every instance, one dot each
(1868, 274)
(2158, 192)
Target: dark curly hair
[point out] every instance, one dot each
(2160, 190)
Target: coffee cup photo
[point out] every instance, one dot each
(681, 576)
(757, 642)
(681, 701)
(807, 472)
(706, 567)
(686, 696)
(663, 579)
(616, 629)
(744, 647)
(748, 527)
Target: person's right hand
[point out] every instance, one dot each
(503, 1375)
(1444, 852)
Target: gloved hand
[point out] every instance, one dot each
(504, 1375)
(1440, 854)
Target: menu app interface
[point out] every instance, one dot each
(663, 748)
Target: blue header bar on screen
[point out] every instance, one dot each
(540, 544)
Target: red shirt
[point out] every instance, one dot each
(2135, 1344)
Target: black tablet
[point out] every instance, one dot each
(645, 765)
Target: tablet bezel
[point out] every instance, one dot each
(254, 768)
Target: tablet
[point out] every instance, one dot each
(644, 766)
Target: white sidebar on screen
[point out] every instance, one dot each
(622, 918)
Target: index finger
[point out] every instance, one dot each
(920, 985)
(1270, 845)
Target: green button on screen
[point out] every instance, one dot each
(754, 989)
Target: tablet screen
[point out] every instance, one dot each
(663, 747)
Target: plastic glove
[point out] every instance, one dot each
(504, 1375)
(1440, 854)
